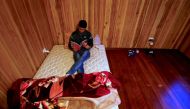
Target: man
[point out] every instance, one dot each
(80, 43)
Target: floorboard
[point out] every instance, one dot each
(158, 81)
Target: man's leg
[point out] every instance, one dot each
(78, 65)
(76, 57)
(81, 69)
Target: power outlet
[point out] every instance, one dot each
(45, 50)
(151, 40)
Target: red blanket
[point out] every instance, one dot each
(33, 93)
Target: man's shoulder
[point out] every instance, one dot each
(74, 33)
(87, 33)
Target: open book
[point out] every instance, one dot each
(77, 46)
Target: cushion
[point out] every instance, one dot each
(96, 40)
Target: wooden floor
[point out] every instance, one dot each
(151, 82)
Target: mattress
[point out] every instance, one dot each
(59, 61)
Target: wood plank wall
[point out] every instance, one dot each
(27, 26)
(24, 32)
(185, 44)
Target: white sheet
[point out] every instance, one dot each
(59, 61)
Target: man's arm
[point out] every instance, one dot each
(72, 44)
(69, 44)
(72, 39)
(88, 43)
(90, 40)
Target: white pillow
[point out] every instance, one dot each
(96, 40)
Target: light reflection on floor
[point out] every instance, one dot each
(176, 97)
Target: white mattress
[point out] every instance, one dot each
(59, 61)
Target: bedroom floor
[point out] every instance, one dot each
(161, 81)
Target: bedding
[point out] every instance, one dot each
(59, 61)
(50, 92)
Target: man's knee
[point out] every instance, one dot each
(86, 54)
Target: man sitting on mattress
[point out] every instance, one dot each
(80, 43)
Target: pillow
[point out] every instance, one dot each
(96, 40)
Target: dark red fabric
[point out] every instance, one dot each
(69, 86)
(13, 98)
(80, 83)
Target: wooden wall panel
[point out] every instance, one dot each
(182, 39)
(136, 9)
(185, 43)
(128, 23)
(24, 32)
(149, 16)
(27, 26)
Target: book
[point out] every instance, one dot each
(76, 46)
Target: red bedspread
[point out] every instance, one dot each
(33, 93)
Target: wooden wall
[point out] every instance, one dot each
(185, 44)
(27, 26)
(128, 23)
(24, 32)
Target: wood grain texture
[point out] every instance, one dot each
(27, 26)
(127, 23)
(161, 81)
(24, 32)
(185, 46)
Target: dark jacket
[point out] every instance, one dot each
(78, 37)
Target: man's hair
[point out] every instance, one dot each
(82, 23)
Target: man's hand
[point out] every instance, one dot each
(85, 45)
(75, 46)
